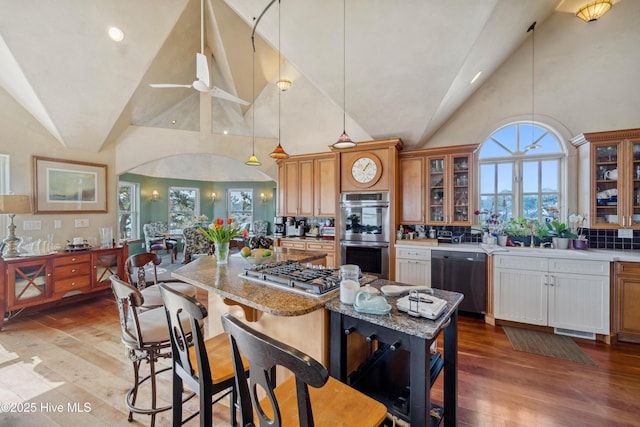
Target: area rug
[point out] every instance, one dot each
(546, 344)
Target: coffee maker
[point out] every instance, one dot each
(279, 229)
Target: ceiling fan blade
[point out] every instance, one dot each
(166, 85)
(216, 92)
(202, 69)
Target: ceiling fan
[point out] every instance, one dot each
(202, 73)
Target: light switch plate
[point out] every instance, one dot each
(32, 225)
(625, 233)
(57, 223)
(82, 223)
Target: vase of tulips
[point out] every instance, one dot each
(220, 232)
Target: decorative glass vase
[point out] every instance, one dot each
(222, 252)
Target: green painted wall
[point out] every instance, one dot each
(159, 210)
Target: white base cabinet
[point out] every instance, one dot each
(413, 266)
(562, 293)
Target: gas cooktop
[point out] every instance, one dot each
(291, 276)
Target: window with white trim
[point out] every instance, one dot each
(184, 204)
(521, 173)
(241, 206)
(128, 211)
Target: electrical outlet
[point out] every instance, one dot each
(82, 223)
(57, 223)
(625, 233)
(32, 225)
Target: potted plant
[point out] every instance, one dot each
(577, 222)
(518, 231)
(560, 233)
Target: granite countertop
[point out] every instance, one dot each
(400, 321)
(609, 255)
(223, 280)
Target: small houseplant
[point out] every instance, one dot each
(577, 222)
(560, 233)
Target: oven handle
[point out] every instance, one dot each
(364, 245)
(363, 205)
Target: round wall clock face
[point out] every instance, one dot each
(366, 169)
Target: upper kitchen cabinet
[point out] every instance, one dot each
(614, 185)
(437, 186)
(307, 186)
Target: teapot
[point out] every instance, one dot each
(611, 174)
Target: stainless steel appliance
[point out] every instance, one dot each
(446, 236)
(293, 277)
(279, 228)
(463, 272)
(365, 231)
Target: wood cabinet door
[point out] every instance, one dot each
(106, 263)
(305, 187)
(28, 283)
(607, 196)
(412, 173)
(632, 165)
(436, 185)
(579, 302)
(325, 186)
(520, 296)
(290, 188)
(627, 303)
(460, 189)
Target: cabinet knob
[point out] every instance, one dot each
(73, 283)
(396, 345)
(371, 338)
(349, 330)
(73, 270)
(73, 259)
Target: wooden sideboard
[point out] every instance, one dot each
(37, 281)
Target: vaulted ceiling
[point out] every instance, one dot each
(408, 64)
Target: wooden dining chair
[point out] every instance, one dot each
(309, 397)
(205, 366)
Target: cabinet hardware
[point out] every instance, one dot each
(349, 330)
(396, 345)
(74, 270)
(371, 338)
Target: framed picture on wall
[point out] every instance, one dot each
(66, 186)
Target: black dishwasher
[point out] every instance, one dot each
(463, 272)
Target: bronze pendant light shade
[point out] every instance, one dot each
(344, 141)
(278, 152)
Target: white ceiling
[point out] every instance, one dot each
(408, 64)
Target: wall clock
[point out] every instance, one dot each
(366, 169)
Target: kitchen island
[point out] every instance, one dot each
(298, 320)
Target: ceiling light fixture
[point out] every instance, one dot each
(115, 34)
(283, 84)
(594, 10)
(278, 152)
(344, 141)
(253, 160)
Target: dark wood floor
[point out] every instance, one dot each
(73, 354)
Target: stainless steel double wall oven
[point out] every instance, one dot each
(365, 231)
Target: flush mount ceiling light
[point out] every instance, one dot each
(283, 84)
(116, 34)
(594, 10)
(344, 141)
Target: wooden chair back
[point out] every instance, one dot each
(129, 299)
(263, 354)
(136, 268)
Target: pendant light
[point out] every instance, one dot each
(594, 10)
(344, 141)
(534, 144)
(278, 152)
(253, 160)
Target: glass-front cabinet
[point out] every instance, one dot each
(448, 189)
(615, 179)
(31, 283)
(106, 263)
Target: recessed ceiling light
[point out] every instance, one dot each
(476, 77)
(116, 34)
(225, 132)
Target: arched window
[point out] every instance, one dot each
(521, 173)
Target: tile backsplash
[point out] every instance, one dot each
(598, 238)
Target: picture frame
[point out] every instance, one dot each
(68, 186)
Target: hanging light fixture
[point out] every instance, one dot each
(534, 144)
(344, 141)
(594, 10)
(253, 160)
(278, 152)
(283, 84)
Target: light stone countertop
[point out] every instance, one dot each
(609, 255)
(224, 280)
(400, 321)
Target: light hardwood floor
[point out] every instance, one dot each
(73, 355)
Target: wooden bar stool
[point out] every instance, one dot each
(328, 402)
(205, 366)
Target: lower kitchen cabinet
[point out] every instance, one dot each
(567, 294)
(627, 301)
(34, 281)
(413, 266)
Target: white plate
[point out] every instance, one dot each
(397, 290)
